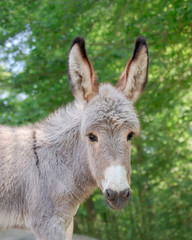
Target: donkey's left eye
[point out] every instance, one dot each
(130, 135)
(93, 138)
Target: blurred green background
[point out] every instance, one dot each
(35, 37)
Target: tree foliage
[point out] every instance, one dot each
(34, 41)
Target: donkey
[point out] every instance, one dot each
(49, 168)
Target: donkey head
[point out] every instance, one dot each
(109, 120)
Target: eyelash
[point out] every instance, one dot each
(92, 137)
(129, 136)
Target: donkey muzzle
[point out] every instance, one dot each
(117, 200)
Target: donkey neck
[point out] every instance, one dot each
(61, 132)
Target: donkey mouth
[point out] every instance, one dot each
(116, 206)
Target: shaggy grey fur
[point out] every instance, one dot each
(48, 169)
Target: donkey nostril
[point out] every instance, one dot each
(125, 193)
(110, 194)
(129, 193)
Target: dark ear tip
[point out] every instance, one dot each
(78, 40)
(139, 43)
(81, 43)
(140, 40)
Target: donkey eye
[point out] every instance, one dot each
(130, 135)
(93, 138)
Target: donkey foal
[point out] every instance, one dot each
(48, 169)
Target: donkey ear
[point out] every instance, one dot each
(80, 71)
(134, 78)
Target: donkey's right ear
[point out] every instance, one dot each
(134, 78)
(82, 77)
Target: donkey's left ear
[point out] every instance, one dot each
(134, 78)
(81, 74)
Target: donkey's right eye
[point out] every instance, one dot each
(93, 138)
(130, 135)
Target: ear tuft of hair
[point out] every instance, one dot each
(81, 43)
(139, 43)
